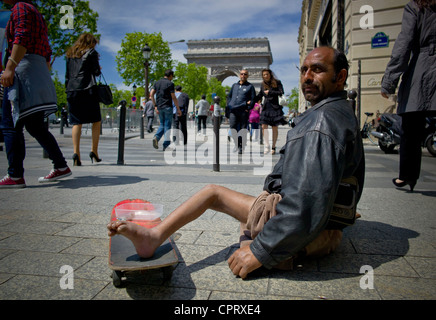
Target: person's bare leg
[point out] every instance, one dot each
(213, 197)
(275, 134)
(265, 134)
(95, 137)
(76, 133)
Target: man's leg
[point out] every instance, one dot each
(35, 126)
(168, 122)
(213, 197)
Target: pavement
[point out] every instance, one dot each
(54, 244)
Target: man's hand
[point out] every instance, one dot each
(384, 95)
(243, 261)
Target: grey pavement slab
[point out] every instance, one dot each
(47, 226)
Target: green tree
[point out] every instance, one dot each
(130, 62)
(293, 100)
(60, 91)
(192, 78)
(84, 20)
(216, 87)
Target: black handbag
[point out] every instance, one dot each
(344, 209)
(104, 92)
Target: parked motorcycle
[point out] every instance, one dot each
(430, 136)
(388, 133)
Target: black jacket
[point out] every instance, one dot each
(324, 147)
(414, 58)
(240, 95)
(81, 72)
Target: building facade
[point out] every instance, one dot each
(365, 30)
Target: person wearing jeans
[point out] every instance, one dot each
(166, 120)
(163, 102)
(30, 94)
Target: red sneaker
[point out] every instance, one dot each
(8, 183)
(55, 175)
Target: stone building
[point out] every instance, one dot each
(226, 57)
(366, 31)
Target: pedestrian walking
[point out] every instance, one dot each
(202, 109)
(149, 113)
(181, 122)
(413, 58)
(272, 114)
(30, 89)
(241, 100)
(163, 102)
(82, 96)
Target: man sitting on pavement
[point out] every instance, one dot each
(292, 216)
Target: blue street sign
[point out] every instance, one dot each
(380, 40)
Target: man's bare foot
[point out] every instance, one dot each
(142, 238)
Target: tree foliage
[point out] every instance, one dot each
(192, 78)
(130, 61)
(216, 87)
(85, 20)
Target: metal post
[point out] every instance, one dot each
(122, 133)
(61, 130)
(359, 90)
(352, 94)
(216, 142)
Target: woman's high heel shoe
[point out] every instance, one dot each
(76, 160)
(93, 157)
(404, 183)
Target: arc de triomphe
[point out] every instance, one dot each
(226, 57)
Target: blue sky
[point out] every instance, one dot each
(278, 20)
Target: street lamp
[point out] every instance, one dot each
(172, 42)
(146, 53)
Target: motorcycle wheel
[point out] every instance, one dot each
(430, 144)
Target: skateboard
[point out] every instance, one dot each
(123, 257)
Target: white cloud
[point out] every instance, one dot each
(278, 20)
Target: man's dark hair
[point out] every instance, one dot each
(169, 73)
(339, 62)
(178, 88)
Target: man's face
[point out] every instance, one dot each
(317, 75)
(243, 75)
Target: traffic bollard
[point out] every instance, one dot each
(216, 142)
(122, 132)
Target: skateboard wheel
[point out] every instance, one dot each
(168, 272)
(116, 278)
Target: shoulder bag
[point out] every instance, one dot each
(104, 92)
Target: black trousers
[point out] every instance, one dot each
(181, 124)
(413, 125)
(238, 120)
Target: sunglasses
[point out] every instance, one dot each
(244, 74)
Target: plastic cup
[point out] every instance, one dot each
(138, 211)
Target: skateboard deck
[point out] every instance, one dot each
(123, 257)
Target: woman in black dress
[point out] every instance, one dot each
(83, 104)
(272, 114)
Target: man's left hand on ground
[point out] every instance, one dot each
(242, 262)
